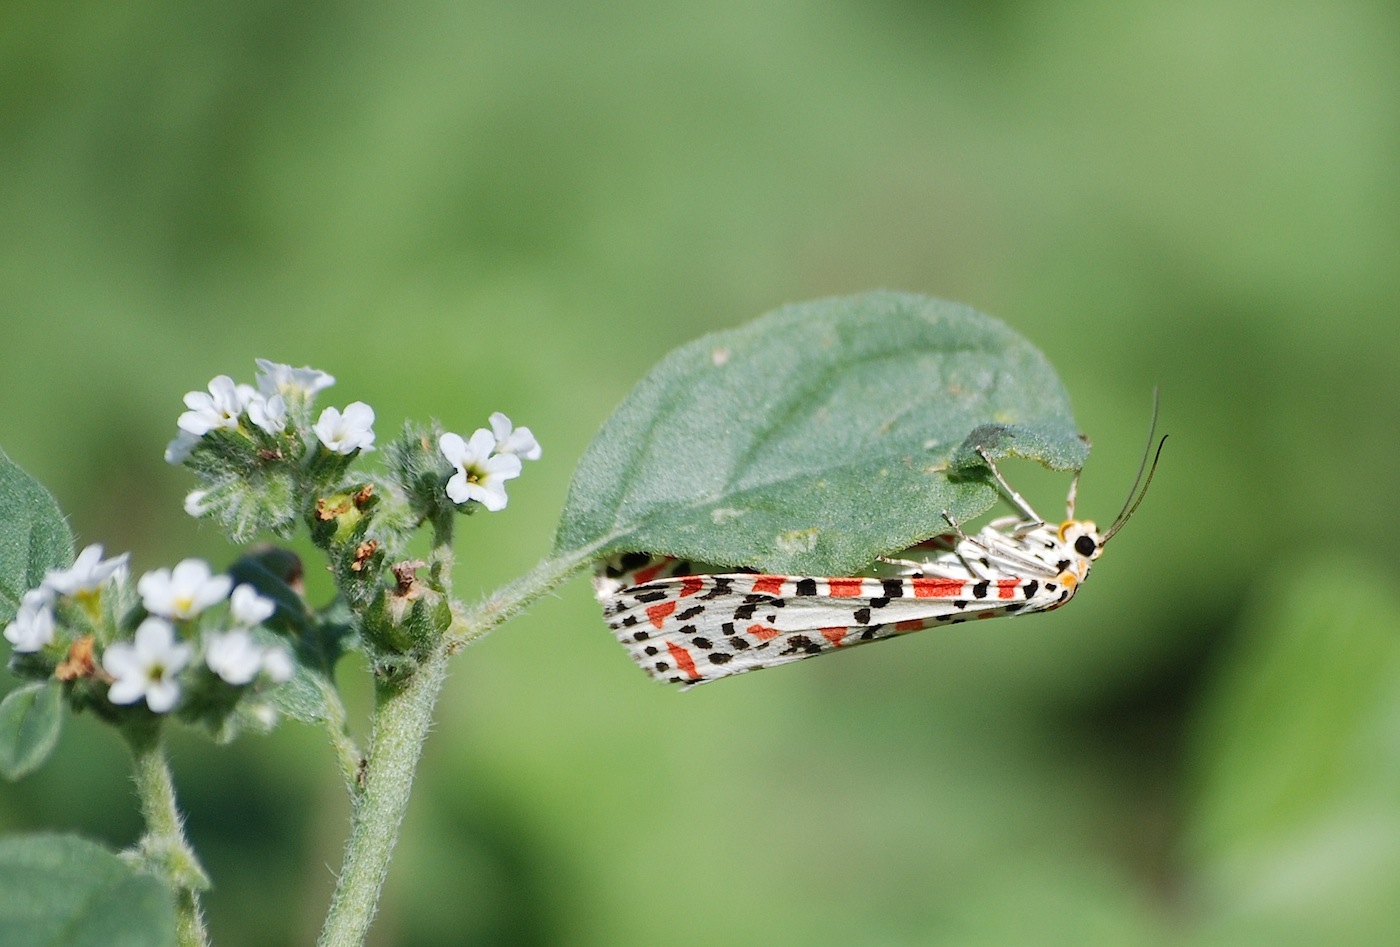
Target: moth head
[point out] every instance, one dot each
(1083, 537)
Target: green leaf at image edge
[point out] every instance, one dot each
(33, 535)
(64, 891)
(30, 720)
(818, 437)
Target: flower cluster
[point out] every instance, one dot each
(70, 627)
(257, 449)
(282, 393)
(486, 461)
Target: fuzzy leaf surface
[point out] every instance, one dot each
(818, 437)
(64, 891)
(34, 537)
(30, 720)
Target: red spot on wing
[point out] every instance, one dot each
(914, 624)
(768, 584)
(691, 584)
(844, 588)
(937, 588)
(682, 659)
(643, 576)
(659, 612)
(834, 635)
(1006, 588)
(763, 632)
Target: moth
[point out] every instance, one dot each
(688, 624)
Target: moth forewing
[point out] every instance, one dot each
(689, 624)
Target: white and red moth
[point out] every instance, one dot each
(687, 624)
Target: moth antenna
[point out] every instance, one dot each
(1134, 496)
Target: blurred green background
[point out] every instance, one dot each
(457, 208)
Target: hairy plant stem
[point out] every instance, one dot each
(403, 713)
(402, 716)
(164, 849)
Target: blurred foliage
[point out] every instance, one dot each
(461, 208)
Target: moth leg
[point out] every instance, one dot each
(973, 568)
(1016, 499)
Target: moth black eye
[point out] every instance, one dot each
(1085, 546)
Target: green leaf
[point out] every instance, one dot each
(30, 720)
(64, 891)
(34, 537)
(1295, 836)
(818, 437)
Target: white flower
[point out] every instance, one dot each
(233, 655)
(348, 432)
(147, 667)
(270, 413)
(249, 608)
(277, 665)
(237, 658)
(184, 592)
(218, 408)
(518, 441)
(178, 451)
(480, 475)
(32, 628)
(274, 378)
(87, 573)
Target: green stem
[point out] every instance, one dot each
(347, 751)
(164, 848)
(401, 721)
(402, 716)
(510, 600)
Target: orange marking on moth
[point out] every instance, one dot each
(659, 612)
(844, 588)
(913, 624)
(763, 632)
(691, 584)
(937, 588)
(834, 635)
(1006, 588)
(682, 659)
(768, 584)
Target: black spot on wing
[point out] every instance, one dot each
(722, 586)
(803, 644)
(633, 561)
